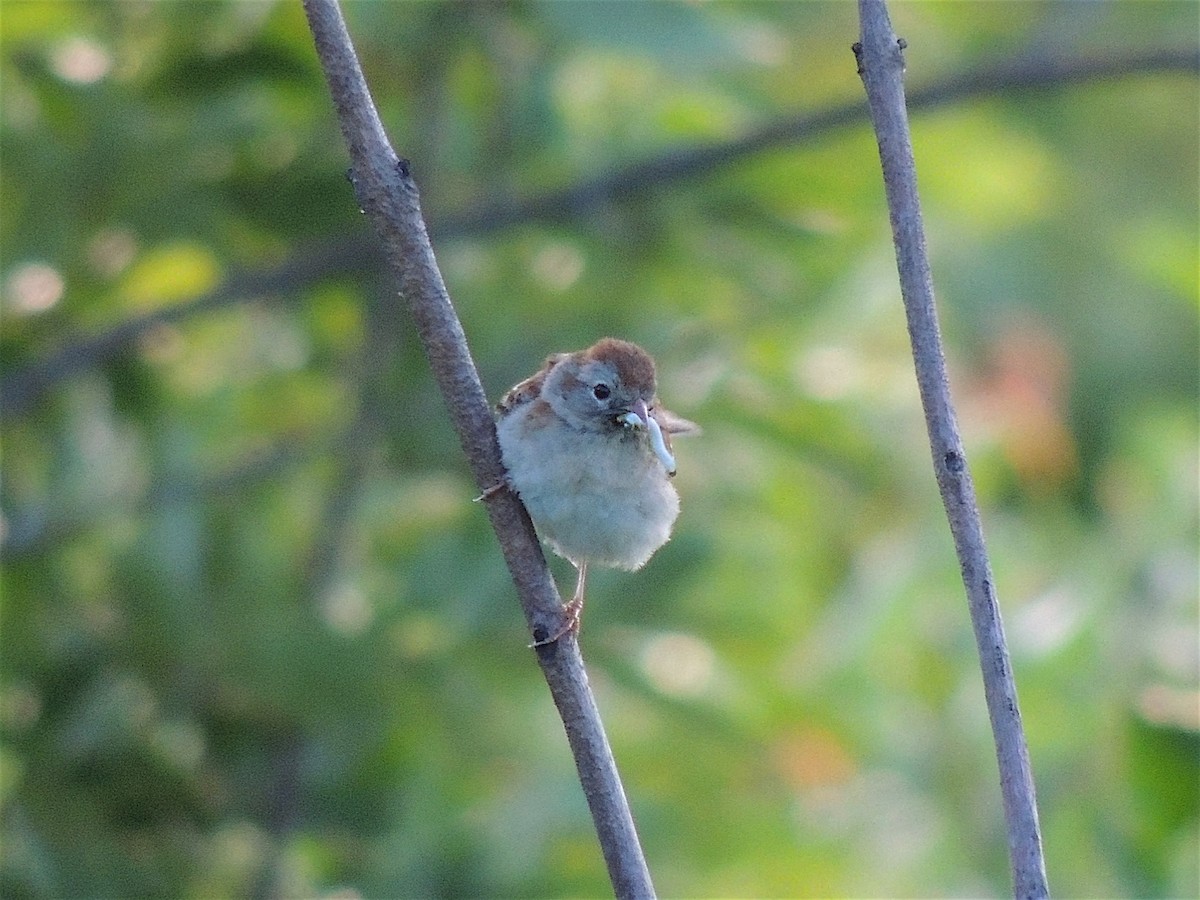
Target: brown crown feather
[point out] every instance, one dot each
(634, 366)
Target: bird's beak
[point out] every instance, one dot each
(639, 417)
(642, 412)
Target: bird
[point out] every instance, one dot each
(587, 448)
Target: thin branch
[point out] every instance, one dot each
(881, 64)
(21, 388)
(695, 161)
(388, 195)
(24, 386)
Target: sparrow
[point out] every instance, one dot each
(588, 450)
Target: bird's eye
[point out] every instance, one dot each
(601, 391)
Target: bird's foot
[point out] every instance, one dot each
(574, 616)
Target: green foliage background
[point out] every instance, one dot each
(258, 641)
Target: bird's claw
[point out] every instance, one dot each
(574, 615)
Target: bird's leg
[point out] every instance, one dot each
(572, 610)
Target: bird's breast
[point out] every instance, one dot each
(596, 497)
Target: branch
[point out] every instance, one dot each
(388, 195)
(695, 161)
(881, 64)
(22, 388)
(25, 385)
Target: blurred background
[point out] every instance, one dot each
(256, 639)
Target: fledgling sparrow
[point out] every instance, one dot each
(588, 450)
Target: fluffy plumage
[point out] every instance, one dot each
(580, 449)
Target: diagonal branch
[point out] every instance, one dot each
(25, 385)
(22, 387)
(388, 195)
(695, 161)
(881, 64)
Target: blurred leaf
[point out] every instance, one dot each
(258, 641)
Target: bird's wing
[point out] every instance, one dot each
(530, 389)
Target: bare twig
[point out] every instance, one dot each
(881, 64)
(22, 387)
(388, 195)
(694, 161)
(25, 385)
